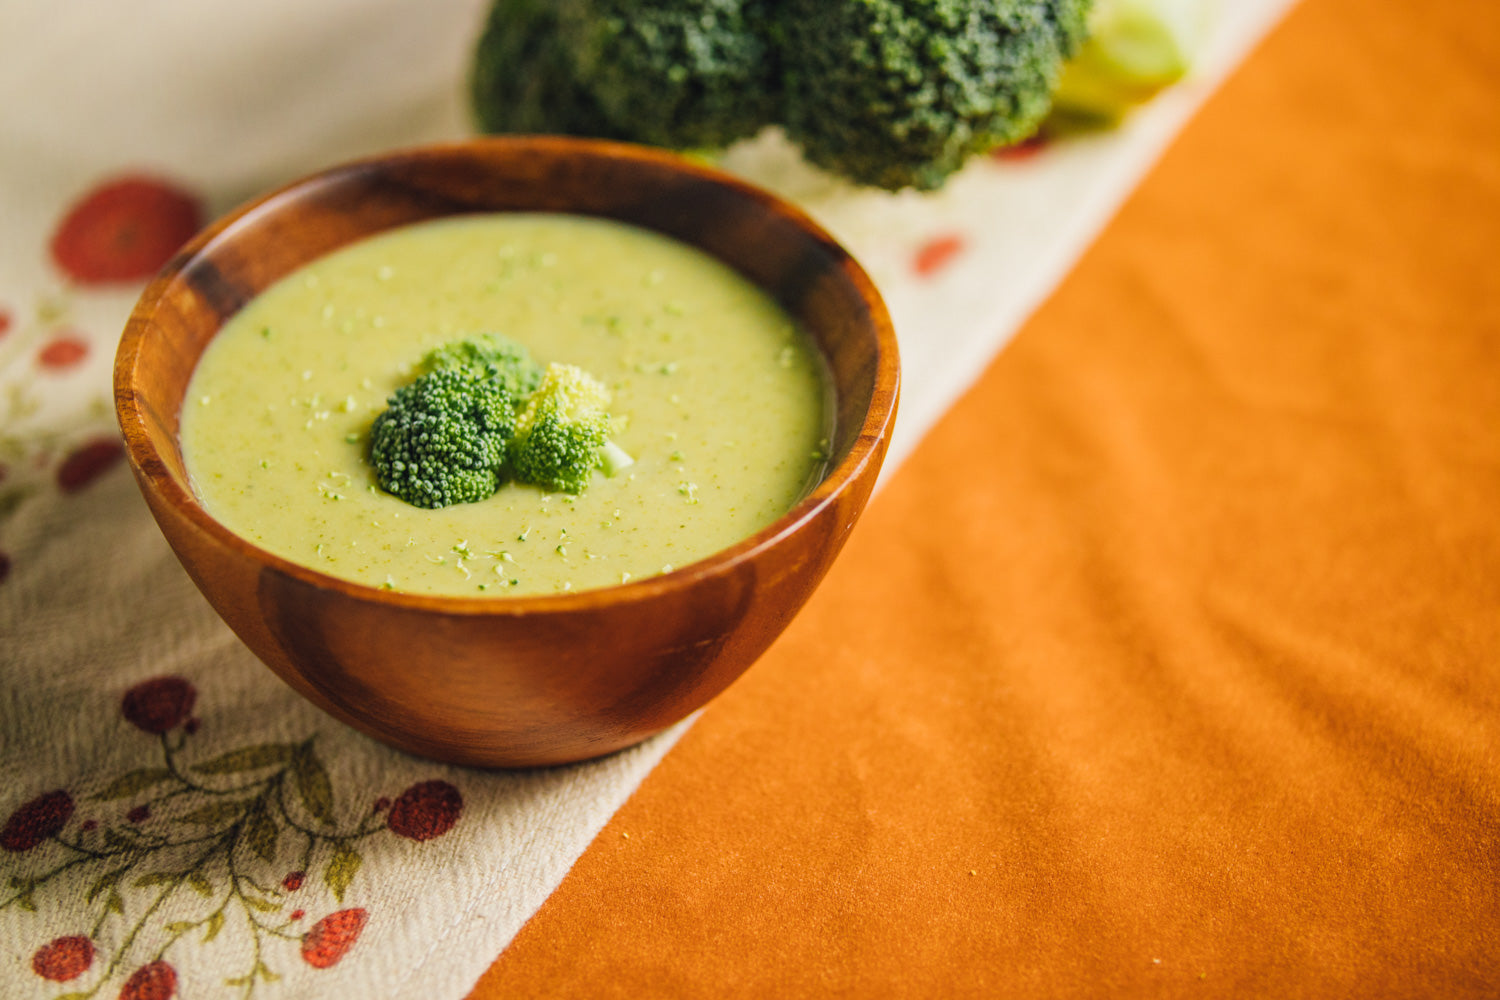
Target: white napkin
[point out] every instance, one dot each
(173, 816)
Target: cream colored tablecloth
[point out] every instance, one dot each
(127, 710)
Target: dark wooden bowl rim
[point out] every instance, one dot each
(868, 442)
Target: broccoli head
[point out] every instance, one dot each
(896, 93)
(694, 75)
(891, 93)
(492, 356)
(561, 435)
(442, 438)
(524, 80)
(686, 75)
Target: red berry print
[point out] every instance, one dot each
(159, 704)
(426, 810)
(936, 254)
(293, 882)
(1023, 150)
(298, 914)
(382, 804)
(89, 824)
(63, 958)
(328, 939)
(64, 352)
(5, 322)
(124, 230)
(36, 820)
(154, 981)
(139, 814)
(88, 462)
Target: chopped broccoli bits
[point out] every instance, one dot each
(442, 289)
(482, 412)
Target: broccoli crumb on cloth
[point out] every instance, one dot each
(890, 93)
(481, 412)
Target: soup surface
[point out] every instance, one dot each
(718, 397)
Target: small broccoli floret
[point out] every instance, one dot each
(897, 93)
(561, 434)
(442, 439)
(491, 355)
(482, 411)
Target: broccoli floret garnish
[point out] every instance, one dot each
(442, 439)
(561, 434)
(892, 93)
(491, 355)
(480, 412)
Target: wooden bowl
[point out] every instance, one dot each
(503, 681)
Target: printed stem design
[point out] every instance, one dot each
(202, 849)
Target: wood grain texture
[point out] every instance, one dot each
(512, 681)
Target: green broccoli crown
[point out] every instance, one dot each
(893, 93)
(442, 438)
(896, 93)
(479, 411)
(686, 75)
(560, 435)
(491, 355)
(524, 79)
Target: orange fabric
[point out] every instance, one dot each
(1170, 664)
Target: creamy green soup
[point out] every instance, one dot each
(719, 398)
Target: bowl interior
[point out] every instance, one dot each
(773, 245)
(514, 681)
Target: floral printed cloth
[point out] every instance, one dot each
(174, 820)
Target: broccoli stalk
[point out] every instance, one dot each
(892, 93)
(480, 412)
(1135, 49)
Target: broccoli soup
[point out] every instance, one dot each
(715, 394)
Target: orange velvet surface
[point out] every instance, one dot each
(1170, 663)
